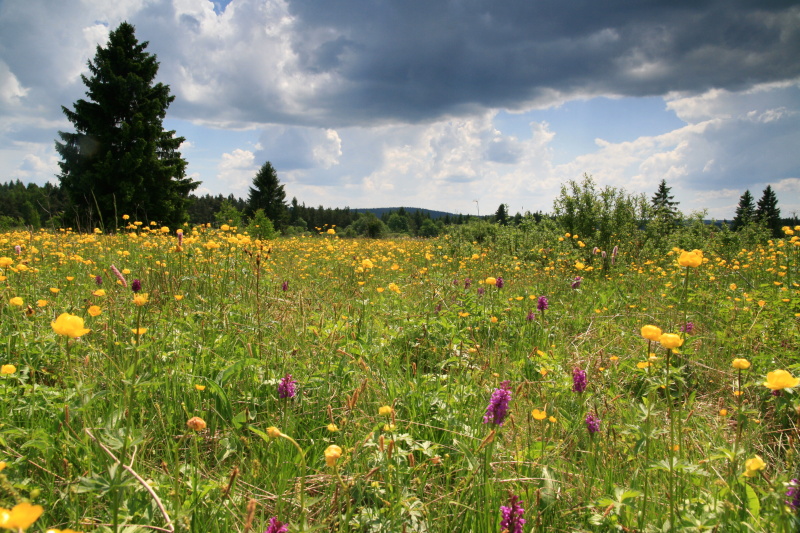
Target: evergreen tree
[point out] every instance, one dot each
(663, 205)
(501, 216)
(120, 160)
(267, 193)
(768, 213)
(745, 212)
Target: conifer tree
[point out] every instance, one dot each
(745, 212)
(768, 213)
(267, 193)
(120, 160)
(663, 204)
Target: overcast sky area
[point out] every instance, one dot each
(456, 105)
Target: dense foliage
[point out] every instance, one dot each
(120, 159)
(495, 377)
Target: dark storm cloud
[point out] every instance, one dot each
(415, 60)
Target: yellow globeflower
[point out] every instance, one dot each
(331, 231)
(691, 259)
(781, 379)
(332, 454)
(539, 415)
(274, 432)
(491, 281)
(752, 466)
(140, 299)
(95, 310)
(670, 341)
(651, 333)
(385, 410)
(196, 423)
(99, 292)
(740, 364)
(69, 326)
(20, 517)
(6, 262)
(8, 369)
(17, 301)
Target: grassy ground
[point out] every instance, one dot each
(395, 349)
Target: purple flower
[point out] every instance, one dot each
(578, 380)
(481, 290)
(287, 388)
(285, 286)
(456, 283)
(592, 424)
(467, 283)
(531, 315)
(688, 328)
(98, 279)
(136, 285)
(576, 283)
(595, 250)
(497, 409)
(512, 515)
(499, 282)
(793, 493)
(277, 527)
(18, 249)
(542, 304)
(180, 237)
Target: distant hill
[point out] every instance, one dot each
(379, 211)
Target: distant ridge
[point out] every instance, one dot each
(379, 211)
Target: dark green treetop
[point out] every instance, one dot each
(768, 213)
(120, 160)
(267, 193)
(745, 211)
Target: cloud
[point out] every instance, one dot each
(236, 171)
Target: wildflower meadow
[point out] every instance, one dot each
(198, 379)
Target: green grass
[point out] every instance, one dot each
(86, 423)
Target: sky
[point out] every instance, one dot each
(452, 105)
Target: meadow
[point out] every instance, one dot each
(200, 380)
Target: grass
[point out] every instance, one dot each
(94, 429)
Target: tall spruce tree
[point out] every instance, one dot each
(267, 193)
(768, 213)
(120, 160)
(745, 211)
(663, 203)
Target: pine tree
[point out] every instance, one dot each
(120, 160)
(267, 193)
(768, 213)
(663, 204)
(745, 212)
(501, 215)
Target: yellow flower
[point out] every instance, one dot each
(538, 415)
(733, 286)
(224, 227)
(178, 297)
(8, 369)
(41, 303)
(17, 301)
(140, 299)
(331, 231)
(164, 229)
(493, 320)
(385, 410)
(6, 262)
(55, 290)
(691, 259)
(99, 292)
(333, 427)
(21, 516)
(200, 387)
(552, 419)
(274, 432)
(332, 454)
(651, 333)
(196, 423)
(139, 331)
(366, 263)
(643, 364)
(752, 466)
(670, 341)
(69, 326)
(2, 465)
(61, 531)
(95, 310)
(491, 281)
(740, 364)
(723, 412)
(781, 379)
(126, 217)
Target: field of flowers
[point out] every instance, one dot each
(200, 380)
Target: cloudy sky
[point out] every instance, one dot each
(456, 105)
